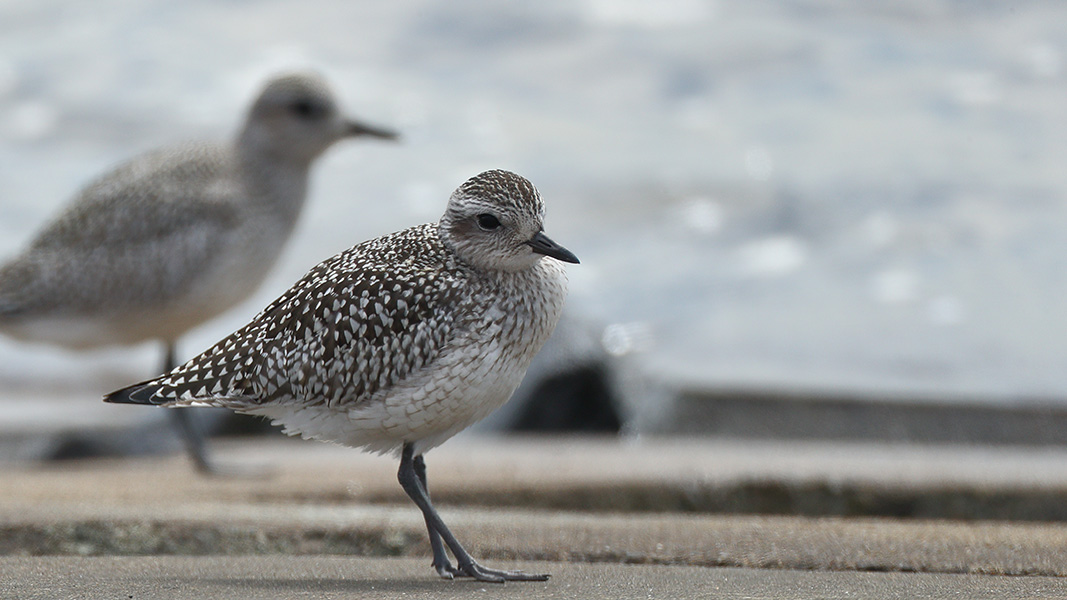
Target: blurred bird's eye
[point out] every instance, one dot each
(305, 109)
(488, 222)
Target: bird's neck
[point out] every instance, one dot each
(275, 181)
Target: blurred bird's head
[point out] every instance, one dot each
(296, 117)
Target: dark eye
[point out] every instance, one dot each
(488, 222)
(306, 109)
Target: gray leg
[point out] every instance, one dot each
(466, 565)
(440, 563)
(184, 419)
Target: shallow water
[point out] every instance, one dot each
(816, 194)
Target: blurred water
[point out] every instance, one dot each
(820, 194)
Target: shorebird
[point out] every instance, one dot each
(176, 236)
(398, 343)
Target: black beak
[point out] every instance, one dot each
(355, 128)
(543, 245)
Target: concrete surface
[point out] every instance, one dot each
(602, 474)
(269, 577)
(523, 499)
(192, 528)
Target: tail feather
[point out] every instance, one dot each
(145, 392)
(9, 309)
(216, 377)
(18, 289)
(164, 391)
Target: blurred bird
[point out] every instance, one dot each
(398, 343)
(176, 236)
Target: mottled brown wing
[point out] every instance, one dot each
(355, 324)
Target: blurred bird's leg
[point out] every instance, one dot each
(184, 419)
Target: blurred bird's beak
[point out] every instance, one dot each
(356, 128)
(543, 245)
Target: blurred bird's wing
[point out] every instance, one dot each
(146, 228)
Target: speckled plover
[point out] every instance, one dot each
(398, 343)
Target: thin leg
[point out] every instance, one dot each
(466, 565)
(170, 357)
(184, 419)
(440, 563)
